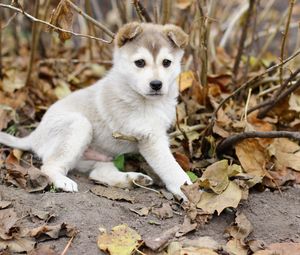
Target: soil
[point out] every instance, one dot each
(275, 216)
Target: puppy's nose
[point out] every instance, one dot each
(156, 85)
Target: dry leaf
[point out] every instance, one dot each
(141, 212)
(4, 204)
(164, 212)
(112, 193)
(186, 80)
(235, 247)
(183, 4)
(62, 17)
(17, 244)
(211, 202)
(43, 250)
(186, 227)
(121, 241)
(159, 242)
(202, 242)
(280, 249)
(241, 228)
(8, 219)
(252, 156)
(47, 232)
(192, 192)
(182, 160)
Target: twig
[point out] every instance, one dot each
(284, 94)
(52, 26)
(141, 11)
(242, 41)
(144, 187)
(92, 20)
(74, 61)
(187, 130)
(64, 252)
(88, 9)
(267, 105)
(234, 139)
(250, 83)
(120, 136)
(34, 41)
(1, 74)
(166, 9)
(9, 20)
(286, 31)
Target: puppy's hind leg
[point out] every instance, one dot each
(106, 173)
(69, 147)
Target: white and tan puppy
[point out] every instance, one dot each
(137, 97)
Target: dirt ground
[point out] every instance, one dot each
(275, 217)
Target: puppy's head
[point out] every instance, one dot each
(148, 56)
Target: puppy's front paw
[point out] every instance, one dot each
(141, 179)
(66, 184)
(176, 191)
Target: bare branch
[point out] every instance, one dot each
(229, 142)
(141, 11)
(50, 25)
(242, 41)
(286, 31)
(92, 20)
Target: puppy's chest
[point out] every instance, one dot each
(104, 141)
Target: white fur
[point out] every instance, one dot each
(120, 102)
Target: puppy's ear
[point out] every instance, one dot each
(176, 35)
(128, 32)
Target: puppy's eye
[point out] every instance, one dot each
(166, 63)
(140, 63)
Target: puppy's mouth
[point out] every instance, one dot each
(155, 94)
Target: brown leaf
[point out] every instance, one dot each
(164, 212)
(17, 244)
(241, 228)
(202, 242)
(280, 249)
(112, 193)
(235, 247)
(192, 192)
(141, 212)
(252, 156)
(162, 240)
(211, 202)
(43, 250)
(8, 219)
(47, 232)
(182, 160)
(62, 17)
(4, 204)
(186, 227)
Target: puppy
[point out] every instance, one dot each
(137, 97)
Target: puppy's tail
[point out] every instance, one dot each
(15, 142)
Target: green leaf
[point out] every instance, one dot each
(192, 176)
(119, 162)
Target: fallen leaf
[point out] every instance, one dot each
(198, 251)
(202, 242)
(4, 204)
(62, 89)
(235, 247)
(280, 249)
(164, 212)
(241, 228)
(211, 202)
(141, 212)
(43, 250)
(294, 102)
(192, 192)
(17, 244)
(286, 152)
(161, 241)
(252, 156)
(47, 232)
(8, 219)
(121, 241)
(182, 160)
(215, 177)
(186, 80)
(112, 193)
(183, 4)
(42, 215)
(186, 227)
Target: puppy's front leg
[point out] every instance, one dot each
(156, 151)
